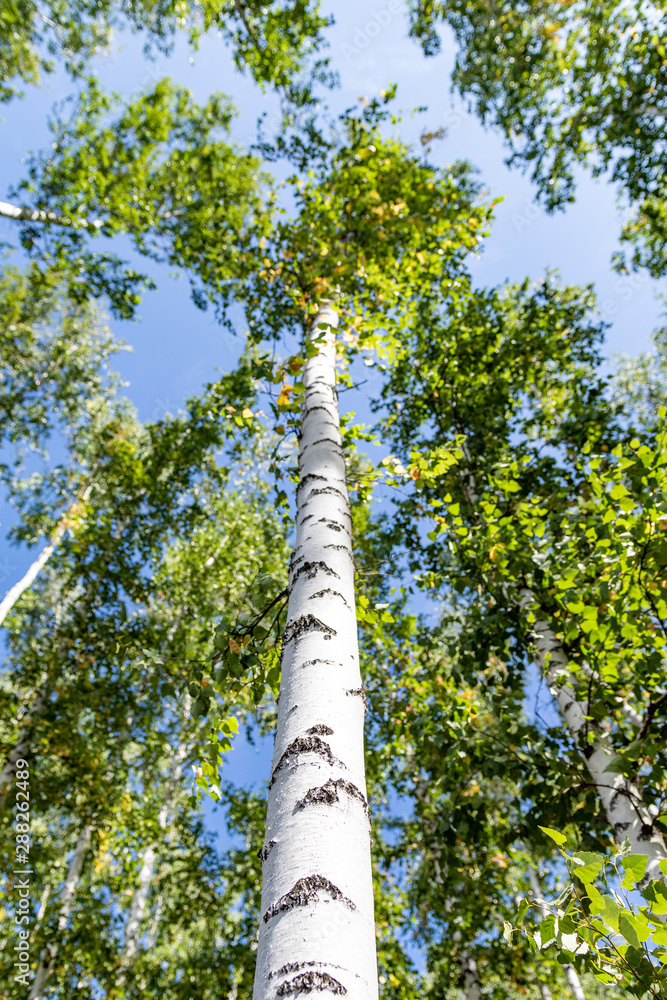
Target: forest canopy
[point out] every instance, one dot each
(403, 546)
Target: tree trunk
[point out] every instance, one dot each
(21, 748)
(23, 214)
(317, 929)
(573, 980)
(140, 897)
(17, 591)
(73, 875)
(621, 798)
(472, 986)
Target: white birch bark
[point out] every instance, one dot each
(626, 812)
(21, 748)
(317, 929)
(472, 986)
(17, 591)
(140, 897)
(50, 952)
(23, 214)
(573, 980)
(19, 588)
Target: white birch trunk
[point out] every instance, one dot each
(472, 986)
(50, 953)
(140, 897)
(17, 591)
(317, 929)
(21, 748)
(573, 980)
(545, 992)
(23, 214)
(621, 798)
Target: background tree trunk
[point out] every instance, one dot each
(50, 953)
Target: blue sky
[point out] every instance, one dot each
(176, 348)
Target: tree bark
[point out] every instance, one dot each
(140, 897)
(22, 746)
(621, 798)
(17, 591)
(50, 952)
(23, 214)
(317, 929)
(472, 986)
(573, 980)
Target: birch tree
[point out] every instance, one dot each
(369, 209)
(565, 412)
(569, 88)
(275, 42)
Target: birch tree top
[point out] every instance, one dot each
(570, 85)
(272, 41)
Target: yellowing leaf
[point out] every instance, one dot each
(559, 838)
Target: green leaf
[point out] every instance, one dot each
(634, 928)
(559, 838)
(586, 866)
(634, 866)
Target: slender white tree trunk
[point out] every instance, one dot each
(626, 812)
(317, 929)
(17, 591)
(51, 950)
(472, 986)
(23, 214)
(621, 799)
(573, 980)
(21, 748)
(140, 897)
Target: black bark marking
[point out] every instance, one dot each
(296, 966)
(309, 478)
(328, 593)
(334, 525)
(329, 441)
(307, 518)
(327, 490)
(328, 663)
(305, 891)
(296, 630)
(309, 982)
(311, 409)
(339, 548)
(311, 569)
(327, 794)
(264, 852)
(359, 693)
(320, 730)
(305, 744)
